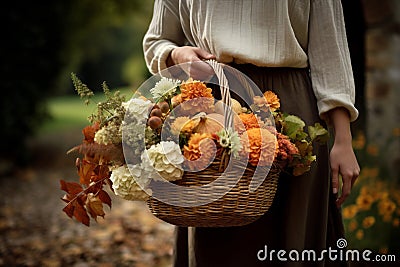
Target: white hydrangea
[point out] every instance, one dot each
(165, 159)
(164, 88)
(134, 137)
(125, 185)
(137, 110)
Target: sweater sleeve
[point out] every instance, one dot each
(163, 35)
(329, 58)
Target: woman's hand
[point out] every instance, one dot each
(342, 158)
(195, 55)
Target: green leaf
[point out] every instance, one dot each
(318, 133)
(292, 125)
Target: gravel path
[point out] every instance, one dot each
(35, 231)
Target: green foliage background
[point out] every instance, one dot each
(44, 42)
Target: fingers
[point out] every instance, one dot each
(346, 188)
(186, 54)
(344, 164)
(335, 180)
(200, 70)
(202, 54)
(348, 182)
(197, 69)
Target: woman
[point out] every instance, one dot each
(299, 50)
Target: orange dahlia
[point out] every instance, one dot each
(198, 95)
(247, 121)
(260, 145)
(272, 100)
(200, 151)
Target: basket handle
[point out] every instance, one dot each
(226, 96)
(224, 88)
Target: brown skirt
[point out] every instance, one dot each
(303, 215)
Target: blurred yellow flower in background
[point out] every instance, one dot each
(360, 234)
(386, 207)
(359, 141)
(371, 214)
(364, 201)
(368, 221)
(372, 150)
(350, 211)
(353, 224)
(396, 132)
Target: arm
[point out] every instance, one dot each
(342, 158)
(164, 42)
(333, 84)
(163, 35)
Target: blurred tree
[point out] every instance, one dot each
(101, 39)
(44, 42)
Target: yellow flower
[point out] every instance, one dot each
(371, 192)
(359, 141)
(396, 196)
(360, 234)
(352, 225)
(369, 172)
(387, 218)
(368, 222)
(372, 150)
(396, 132)
(364, 202)
(350, 211)
(200, 151)
(383, 250)
(272, 100)
(181, 125)
(386, 207)
(260, 145)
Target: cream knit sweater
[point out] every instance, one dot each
(268, 33)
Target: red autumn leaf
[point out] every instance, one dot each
(71, 188)
(69, 210)
(96, 151)
(101, 172)
(89, 132)
(85, 171)
(82, 202)
(104, 197)
(80, 213)
(94, 206)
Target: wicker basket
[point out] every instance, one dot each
(238, 207)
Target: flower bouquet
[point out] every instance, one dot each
(196, 160)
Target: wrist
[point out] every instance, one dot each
(341, 124)
(170, 62)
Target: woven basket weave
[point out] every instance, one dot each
(239, 206)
